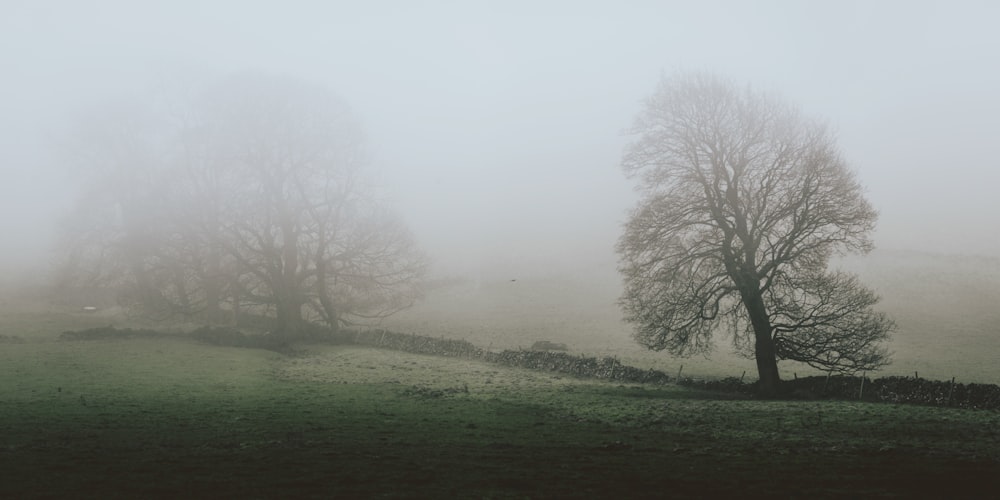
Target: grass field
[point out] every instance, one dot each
(944, 306)
(170, 418)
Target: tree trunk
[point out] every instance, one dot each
(764, 351)
(322, 287)
(288, 297)
(180, 288)
(213, 299)
(146, 293)
(213, 284)
(289, 318)
(333, 321)
(236, 304)
(767, 365)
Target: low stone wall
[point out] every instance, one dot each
(887, 389)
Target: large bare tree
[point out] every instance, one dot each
(301, 223)
(744, 201)
(258, 203)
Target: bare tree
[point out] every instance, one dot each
(111, 236)
(260, 205)
(743, 204)
(304, 229)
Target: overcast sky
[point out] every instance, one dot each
(497, 126)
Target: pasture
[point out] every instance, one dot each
(168, 417)
(944, 307)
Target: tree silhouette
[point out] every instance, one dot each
(743, 204)
(248, 197)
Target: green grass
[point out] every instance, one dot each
(169, 418)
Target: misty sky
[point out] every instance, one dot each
(496, 127)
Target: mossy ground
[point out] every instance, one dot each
(172, 418)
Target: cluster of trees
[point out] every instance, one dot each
(743, 204)
(248, 197)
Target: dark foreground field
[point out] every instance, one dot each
(170, 418)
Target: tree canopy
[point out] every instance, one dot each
(743, 203)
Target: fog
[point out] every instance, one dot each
(496, 128)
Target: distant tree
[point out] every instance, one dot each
(302, 227)
(743, 204)
(111, 238)
(251, 198)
